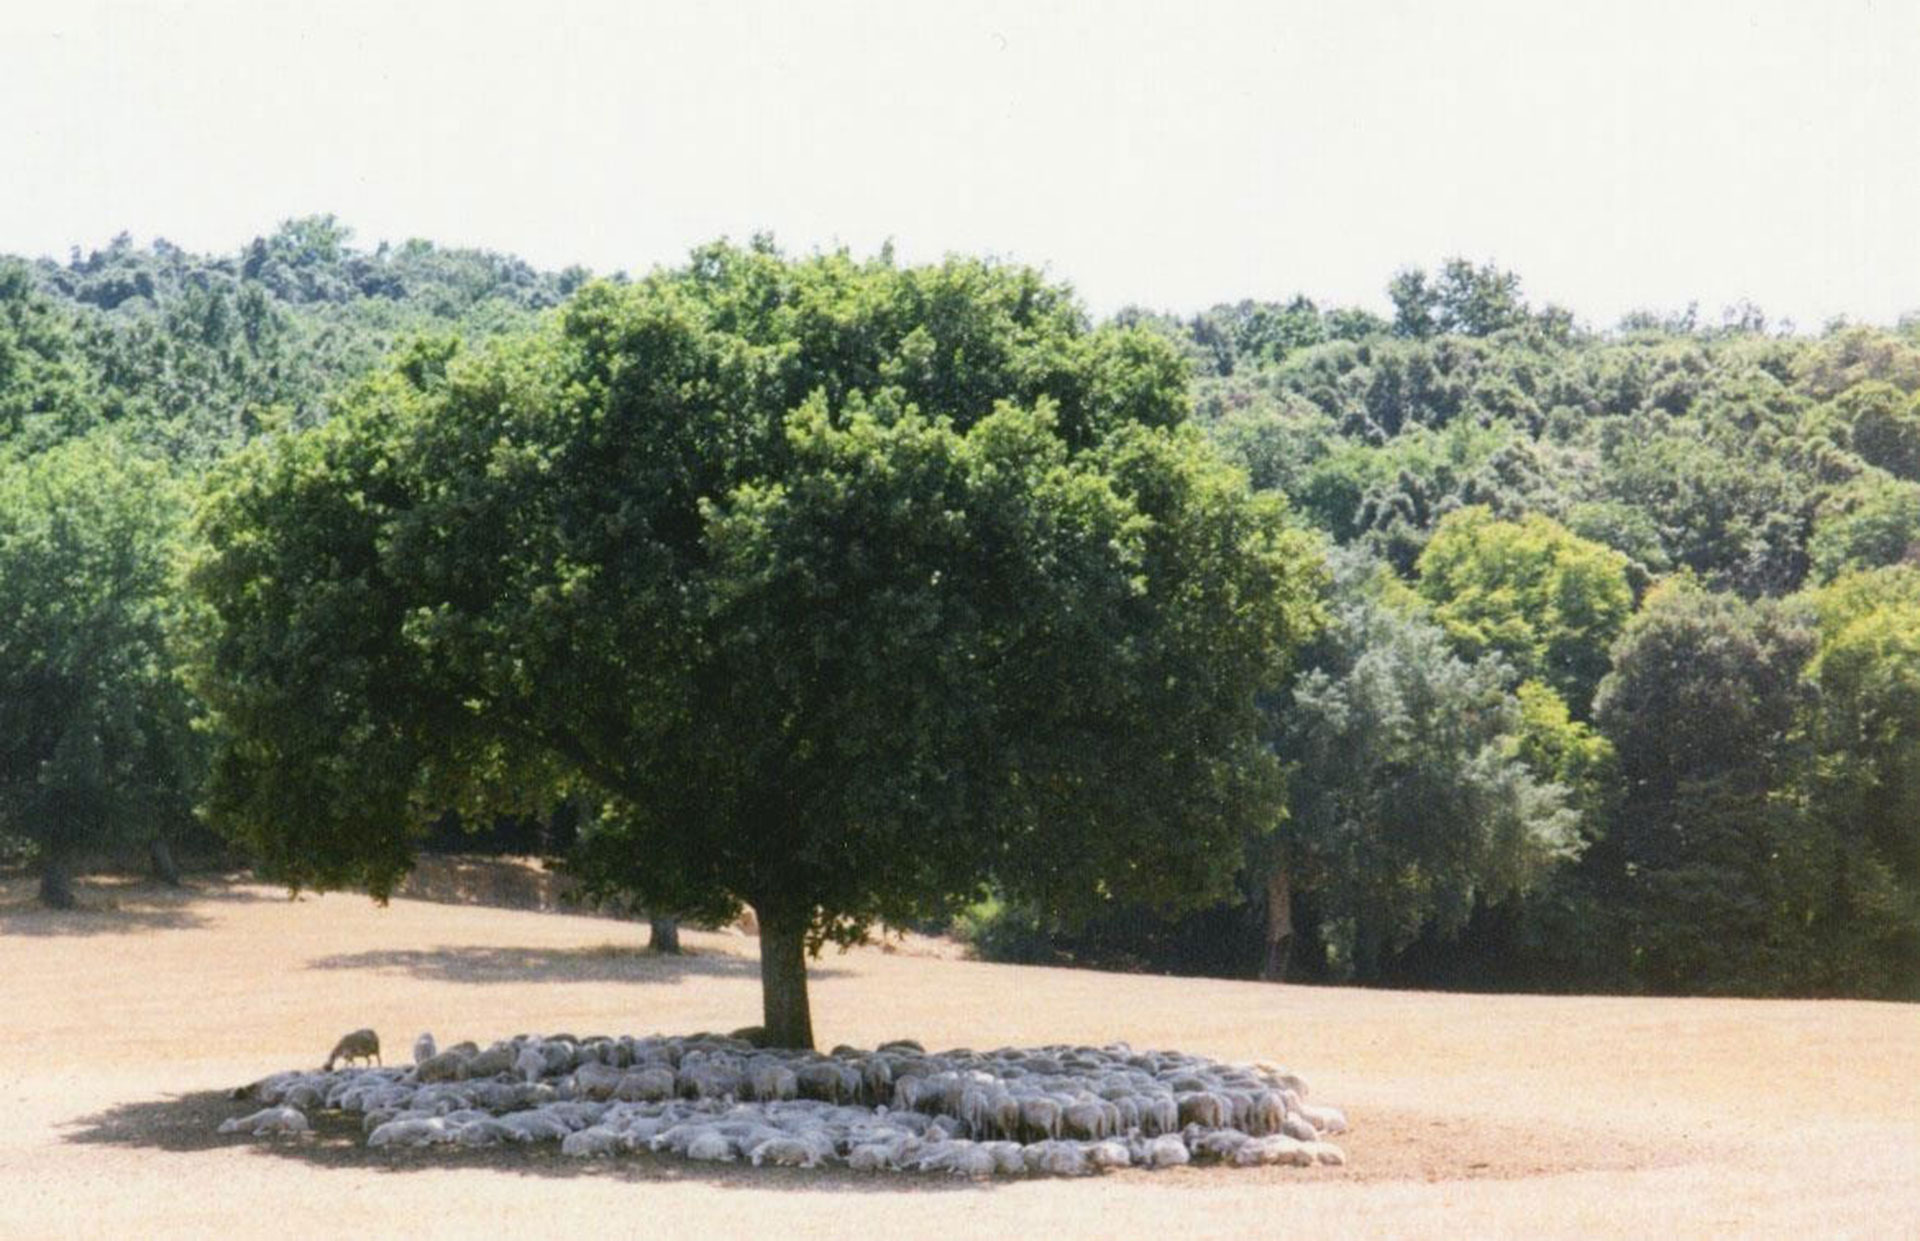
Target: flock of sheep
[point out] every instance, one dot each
(1051, 1110)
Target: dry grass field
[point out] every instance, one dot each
(121, 1027)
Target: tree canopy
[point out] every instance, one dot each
(95, 736)
(1548, 601)
(838, 589)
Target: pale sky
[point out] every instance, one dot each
(1617, 154)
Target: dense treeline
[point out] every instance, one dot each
(1616, 682)
(1579, 719)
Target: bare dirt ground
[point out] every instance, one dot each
(122, 1026)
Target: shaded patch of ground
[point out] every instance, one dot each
(492, 966)
(111, 905)
(188, 1123)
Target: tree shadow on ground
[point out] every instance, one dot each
(109, 906)
(186, 1124)
(490, 966)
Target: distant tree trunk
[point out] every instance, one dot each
(666, 935)
(1279, 925)
(164, 868)
(783, 982)
(56, 882)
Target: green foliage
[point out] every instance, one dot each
(1390, 499)
(1884, 426)
(47, 391)
(1546, 600)
(1462, 300)
(1869, 523)
(95, 743)
(1866, 781)
(786, 567)
(1410, 804)
(1564, 751)
(1735, 517)
(1722, 877)
(193, 355)
(425, 534)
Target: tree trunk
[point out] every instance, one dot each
(56, 884)
(1279, 925)
(666, 935)
(783, 984)
(164, 867)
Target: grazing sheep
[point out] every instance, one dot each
(530, 1064)
(826, 1080)
(1204, 1108)
(356, 1045)
(1040, 1117)
(269, 1122)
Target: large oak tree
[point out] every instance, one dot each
(835, 589)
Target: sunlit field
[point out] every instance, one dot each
(124, 1024)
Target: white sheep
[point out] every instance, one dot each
(1325, 1119)
(411, 1131)
(590, 1143)
(593, 1080)
(1275, 1149)
(269, 1122)
(1166, 1151)
(958, 1157)
(709, 1097)
(423, 1049)
(710, 1145)
(446, 1066)
(1056, 1158)
(786, 1152)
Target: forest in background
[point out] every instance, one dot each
(1617, 685)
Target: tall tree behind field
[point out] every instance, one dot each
(1864, 780)
(95, 736)
(1410, 803)
(1712, 863)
